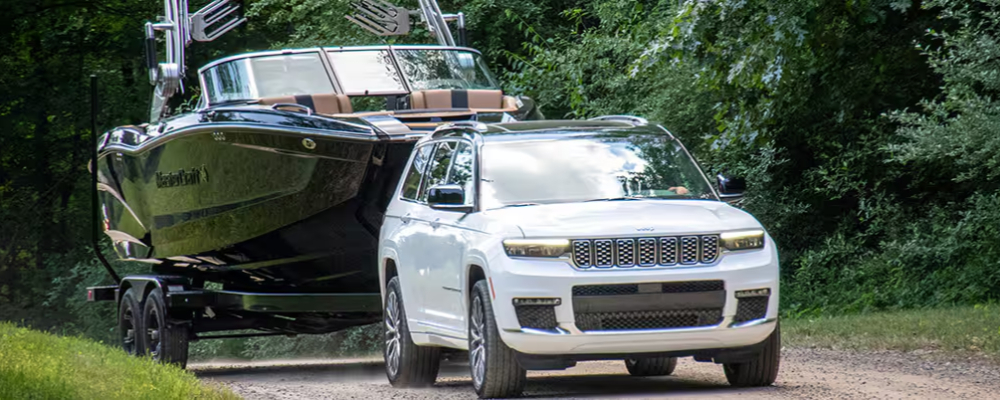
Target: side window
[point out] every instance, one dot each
(415, 175)
(462, 171)
(437, 172)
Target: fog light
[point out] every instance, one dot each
(537, 301)
(753, 293)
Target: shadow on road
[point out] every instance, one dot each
(453, 380)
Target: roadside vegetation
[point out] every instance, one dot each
(866, 131)
(948, 331)
(36, 365)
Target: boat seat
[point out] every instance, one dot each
(480, 100)
(324, 103)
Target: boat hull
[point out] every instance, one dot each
(252, 205)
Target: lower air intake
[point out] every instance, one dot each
(536, 317)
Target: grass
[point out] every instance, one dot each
(36, 365)
(963, 331)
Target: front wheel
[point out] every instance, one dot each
(761, 371)
(655, 366)
(406, 364)
(495, 371)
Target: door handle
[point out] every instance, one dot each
(405, 219)
(435, 223)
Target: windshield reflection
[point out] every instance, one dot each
(588, 169)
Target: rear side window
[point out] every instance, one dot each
(411, 186)
(437, 172)
(462, 171)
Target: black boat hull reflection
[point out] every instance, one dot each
(256, 199)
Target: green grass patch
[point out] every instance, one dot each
(36, 365)
(955, 331)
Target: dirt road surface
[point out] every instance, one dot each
(805, 374)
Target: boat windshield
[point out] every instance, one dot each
(427, 69)
(266, 76)
(372, 71)
(375, 71)
(594, 168)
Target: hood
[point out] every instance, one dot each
(625, 218)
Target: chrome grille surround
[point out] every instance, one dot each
(646, 252)
(625, 253)
(689, 250)
(582, 253)
(603, 254)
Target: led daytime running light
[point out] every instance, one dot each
(743, 240)
(549, 248)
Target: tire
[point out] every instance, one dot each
(656, 366)
(406, 364)
(494, 366)
(130, 324)
(761, 371)
(164, 342)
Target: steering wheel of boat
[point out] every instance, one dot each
(303, 108)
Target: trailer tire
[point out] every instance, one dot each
(164, 342)
(130, 323)
(406, 363)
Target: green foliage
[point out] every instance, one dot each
(964, 331)
(35, 365)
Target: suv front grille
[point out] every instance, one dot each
(645, 252)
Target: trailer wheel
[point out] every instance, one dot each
(130, 323)
(406, 363)
(164, 342)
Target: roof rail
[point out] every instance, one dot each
(635, 121)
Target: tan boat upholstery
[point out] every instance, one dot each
(486, 100)
(326, 103)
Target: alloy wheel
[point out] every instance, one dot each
(392, 323)
(477, 350)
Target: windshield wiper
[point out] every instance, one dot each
(520, 205)
(615, 199)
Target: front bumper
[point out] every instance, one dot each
(522, 278)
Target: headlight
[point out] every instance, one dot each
(743, 240)
(550, 248)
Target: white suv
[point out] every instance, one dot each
(534, 245)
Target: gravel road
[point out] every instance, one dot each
(805, 374)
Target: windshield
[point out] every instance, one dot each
(366, 71)
(267, 76)
(427, 69)
(588, 169)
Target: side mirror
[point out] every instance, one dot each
(447, 198)
(730, 188)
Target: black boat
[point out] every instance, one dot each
(274, 186)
